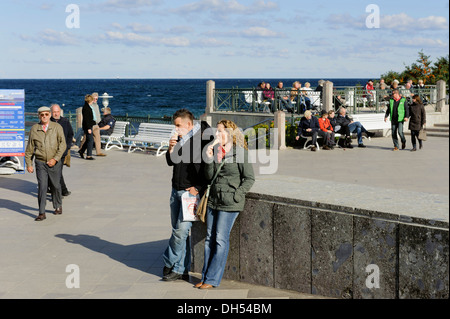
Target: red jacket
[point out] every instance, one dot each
(325, 124)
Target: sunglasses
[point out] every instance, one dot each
(44, 114)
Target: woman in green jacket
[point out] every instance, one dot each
(227, 197)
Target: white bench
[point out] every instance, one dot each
(151, 135)
(116, 137)
(372, 121)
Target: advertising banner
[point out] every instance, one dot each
(12, 131)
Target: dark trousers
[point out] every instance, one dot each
(46, 175)
(414, 136)
(89, 144)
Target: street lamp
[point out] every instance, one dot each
(105, 99)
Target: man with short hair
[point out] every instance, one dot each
(344, 120)
(309, 126)
(398, 113)
(46, 143)
(185, 156)
(106, 125)
(68, 133)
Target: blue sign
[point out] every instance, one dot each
(12, 131)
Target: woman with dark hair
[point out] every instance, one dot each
(417, 120)
(234, 179)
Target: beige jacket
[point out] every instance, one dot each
(45, 145)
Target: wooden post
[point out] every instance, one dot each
(210, 86)
(279, 124)
(327, 96)
(441, 95)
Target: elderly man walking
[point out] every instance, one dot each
(47, 145)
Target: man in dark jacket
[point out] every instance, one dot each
(349, 126)
(106, 125)
(185, 156)
(309, 126)
(68, 134)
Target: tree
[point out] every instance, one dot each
(422, 69)
(440, 69)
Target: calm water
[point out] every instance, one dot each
(138, 97)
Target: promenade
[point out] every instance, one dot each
(115, 225)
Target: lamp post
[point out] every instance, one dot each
(105, 99)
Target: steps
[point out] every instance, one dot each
(438, 130)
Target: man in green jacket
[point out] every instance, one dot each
(398, 113)
(47, 145)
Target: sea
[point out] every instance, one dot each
(156, 98)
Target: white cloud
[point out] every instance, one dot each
(259, 32)
(224, 7)
(52, 37)
(129, 4)
(134, 39)
(395, 22)
(175, 42)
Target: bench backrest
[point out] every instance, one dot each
(154, 131)
(120, 128)
(373, 121)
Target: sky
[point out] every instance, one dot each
(218, 38)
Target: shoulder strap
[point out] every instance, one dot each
(218, 171)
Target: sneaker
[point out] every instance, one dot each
(370, 134)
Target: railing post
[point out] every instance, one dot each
(327, 97)
(210, 87)
(279, 123)
(79, 117)
(441, 95)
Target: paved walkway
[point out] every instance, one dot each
(115, 226)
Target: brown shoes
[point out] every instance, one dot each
(201, 285)
(101, 154)
(395, 149)
(40, 217)
(58, 211)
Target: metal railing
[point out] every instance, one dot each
(355, 98)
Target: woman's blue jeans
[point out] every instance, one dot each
(217, 243)
(178, 253)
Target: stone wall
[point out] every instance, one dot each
(334, 251)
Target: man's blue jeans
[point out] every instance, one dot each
(359, 129)
(397, 128)
(217, 244)
(178, 253)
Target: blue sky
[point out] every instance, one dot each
(218, 38)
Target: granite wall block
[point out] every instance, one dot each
(292, 248)
(332, 254)
(256, 243)
(375, 259)
(423, 263)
